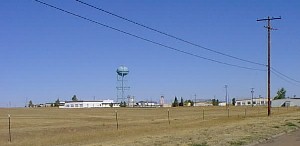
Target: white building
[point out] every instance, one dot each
(147, 104)
(203, 104)
(88, 104)
(248, 102)
(222, 104)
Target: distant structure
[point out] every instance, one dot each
(162, 101)
(88, 104)
(203, 102)
(130, 102)
(122, 71)
(150, 104)
(288, 102)
(252, 101)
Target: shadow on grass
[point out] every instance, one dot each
(200, 144)
(237, 143)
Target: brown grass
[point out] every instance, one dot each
(141, 126)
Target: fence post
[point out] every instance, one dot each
(203, 114)
(169, 116)
(117, 119)
(228, 112)
(9, 133)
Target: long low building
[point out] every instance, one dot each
(147, 104)
(286, 102)
(248, 102)
(88, 104)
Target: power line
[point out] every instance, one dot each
(145, 39)
(273, 69)
(172, 36)
(278, 75)
(180, 39)
(169, 35)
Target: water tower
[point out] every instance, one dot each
(162, 101)
(122, 71)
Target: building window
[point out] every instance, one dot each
(262, 102)
(249, 102)
(81, 105)
(72, 105)
(76, 105)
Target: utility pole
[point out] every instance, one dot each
(226, 96)
(269, 28)
(26, 102)
(195, 100)
(252, 96)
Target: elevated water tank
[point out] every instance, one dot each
(122, 71)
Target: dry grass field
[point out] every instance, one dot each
(144, 126)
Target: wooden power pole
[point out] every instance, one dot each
(269, 28)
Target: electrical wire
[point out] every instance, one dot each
(278, 75)
(169, 35)
(145, 39)
(273, 69)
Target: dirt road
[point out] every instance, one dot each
(290, 139)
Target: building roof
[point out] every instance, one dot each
(147, 102)
(280, 102)
(84, 101)
(250, 99)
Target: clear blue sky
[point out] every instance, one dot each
(47, 54)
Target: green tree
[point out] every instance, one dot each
(175, 103)
(215, 102)
(30, 104)
(74, 98)
(280, 94)
(123, 104)
(192, 102)
(181, 102)
(187, 102)
(233, 101)
(56, 103)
